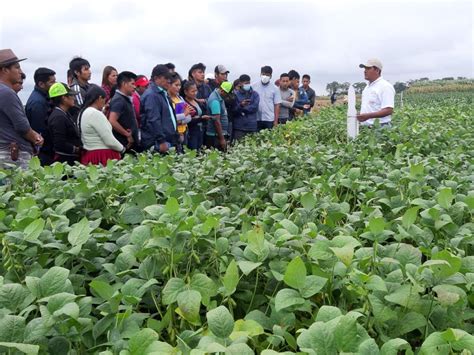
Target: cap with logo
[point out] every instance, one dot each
(7, 57)
(221, 69)
(226, 86)
(60, 89)
(372, 63)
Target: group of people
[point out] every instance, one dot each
(91, 124)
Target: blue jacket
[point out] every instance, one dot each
(245, 118)
(302, 100)
(37, 110)
(158, 121)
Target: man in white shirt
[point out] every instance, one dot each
(270, 100)
(378, 97)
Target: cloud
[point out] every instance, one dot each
(325, 39)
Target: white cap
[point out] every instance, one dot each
(372, 63)
(209, 76)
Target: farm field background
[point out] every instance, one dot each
(296, 241)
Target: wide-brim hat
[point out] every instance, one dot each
(7, 57)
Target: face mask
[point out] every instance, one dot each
(246, 87)
(265, 79)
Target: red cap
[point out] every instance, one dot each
(142, 82)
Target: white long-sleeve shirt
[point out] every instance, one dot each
(96, 131)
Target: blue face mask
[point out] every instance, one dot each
(246, 87)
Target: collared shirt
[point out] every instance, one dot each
(217, 107)
(13, 122)
(377, 95)
(269, 97)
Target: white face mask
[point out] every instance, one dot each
(265, 79)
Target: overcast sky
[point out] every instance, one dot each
(326, 39)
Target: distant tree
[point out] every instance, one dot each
(359, 87)
(424, 79)
(448, 78)
(461, 78)
(344, 88)
(399, 87)
(332, 87)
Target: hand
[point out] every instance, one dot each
(361, 117)
(245, 102)
(39, 140)
(206, 117)
(130, 141)
(307, 106)
(164, 147)
(275, 123)
(223, 143)
(187, 110)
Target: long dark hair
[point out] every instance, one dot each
(93, 93)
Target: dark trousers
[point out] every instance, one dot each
(212, 142)
(195, 138)
(239, 134)
(261, 125)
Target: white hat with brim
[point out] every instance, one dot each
(372, 63)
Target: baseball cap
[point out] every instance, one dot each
(221, 69)
(372, 63)
(142, 82)
(60, 89)
(226, 86)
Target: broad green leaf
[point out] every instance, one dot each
(448, 295)
(239, 349)
(140, 235)
(205, 285)
(140, 341)
(345, 254)
(327, 313)
(132, 215)
(103, 289)
(317, 339)
(295, 274)
(394, 346)
(59, 345)
(368, 347)
(80, 232)
(377, 225)
(312, 285)
(34, 229)
(289, 226)
(65, 206)
(172, 206)
(13, 296)
(220, 322)
(189, 303)
(409, 217)
(308, 201)
(444, 271)
(445, 198)
(405, 296)
(12, 329)
(286, 298)
(279, 199)
(231, 278)
(409, 322)
(54, 281)
(170, 292)
(28, 349)
(247, 266)
(70, 309)
(346, 338)
(249, 328)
